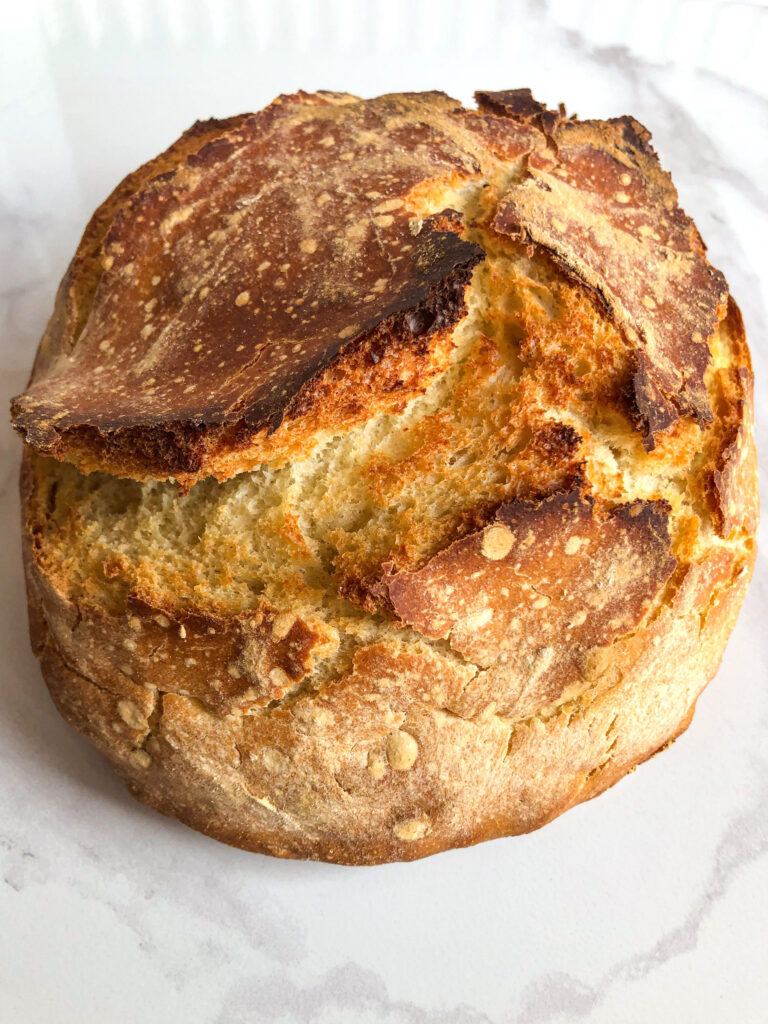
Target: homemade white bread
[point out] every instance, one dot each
(389, 479)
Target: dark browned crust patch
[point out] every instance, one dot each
(218, 283)
(431, 302)
(539, 587)
(232, 280)
(520, 105)
(599, 203)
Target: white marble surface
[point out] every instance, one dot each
(648, 904)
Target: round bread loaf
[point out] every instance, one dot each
(389, 479)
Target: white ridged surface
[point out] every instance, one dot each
(727, 37)
(648, 904)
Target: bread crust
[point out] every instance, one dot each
(314, 780)
(618, 236)
(547, 642)
(115, 389)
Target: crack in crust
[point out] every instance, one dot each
(598, 202)
(181, 352)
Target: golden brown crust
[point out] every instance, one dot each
(319, 780)
(203, 331)
(228, 662)
(75, 294)
(517, 559)
(179, 351)
(734, 470)
(598, 202)
(539, 588)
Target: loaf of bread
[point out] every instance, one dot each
(389, 480)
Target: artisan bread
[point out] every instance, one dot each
(389, 480)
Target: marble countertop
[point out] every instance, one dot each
(648, 904)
